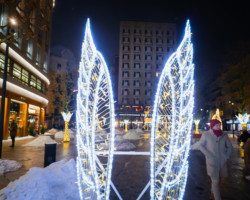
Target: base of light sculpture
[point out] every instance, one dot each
(66, 134)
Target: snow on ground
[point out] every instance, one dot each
(132, 134)
(9, 165)
(57, 181)
(41, 141)
(52, 131)
(60, 135)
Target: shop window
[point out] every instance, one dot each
(25, 76)
(33, 81)
(38, 84)
(17, 73)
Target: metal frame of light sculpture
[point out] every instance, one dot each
(94, 104)
(173, 107)
(66, 117)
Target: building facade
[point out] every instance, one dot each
(143, 50)
(63, 73)
(27, 79)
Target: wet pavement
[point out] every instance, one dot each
(131, 173)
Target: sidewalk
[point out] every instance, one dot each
(131, 173)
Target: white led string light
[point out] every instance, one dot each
(173, 115)
(95, 123)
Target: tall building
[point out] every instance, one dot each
(27, 78)
(63, 73)
(143, 50)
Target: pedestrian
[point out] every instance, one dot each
(244, 136)
(13, 131)
(216, 147)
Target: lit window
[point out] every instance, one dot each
(25, 76)
(30, 49)
(2, 62)
(33, 81)
(38, 84)
(17, 71)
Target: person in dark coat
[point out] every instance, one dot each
(13, 132)
(243, 137)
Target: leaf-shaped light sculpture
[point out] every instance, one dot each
(95, 123)
(171, 124)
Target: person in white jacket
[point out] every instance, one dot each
(216, 147)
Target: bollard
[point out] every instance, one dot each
(49, 154)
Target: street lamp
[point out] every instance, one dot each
(11, 22)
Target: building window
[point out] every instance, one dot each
(125, 39)
(148, 92)
(137, 92)
(17, 73)
(136, 101)
(125, 92)
(45, 67)
(148, 83)
(33, 81)
(147, 75)
(137, 83)
(125, 56)
(148, 66)
(137, 57)
(137, 66)
(125, 74)
(126, 48)
(137, 48)
(38, 56)
(148, 40)
(125, 83)
(124, 100)
(38, 84)
(159, 49)
(125, 65)
(137, 74)
(25, 76)
(2, 62)
(30, 49)
(148, 49)
(148, 57)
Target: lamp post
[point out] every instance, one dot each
(11, 21)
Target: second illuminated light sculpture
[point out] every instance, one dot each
(173, 114)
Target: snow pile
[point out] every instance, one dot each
(52, 131)
(124, 145)
(41, 141)
(9, 165)
(138, 130)
(57, 181)
(60, 135)
(132, 135)
(118, 137)
(120, 145)
(119, 132)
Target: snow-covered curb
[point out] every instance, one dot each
(57, 181)
(9, 165)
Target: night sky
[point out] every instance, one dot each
(215, 27)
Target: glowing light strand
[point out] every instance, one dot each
(94, 103)
(173, 108)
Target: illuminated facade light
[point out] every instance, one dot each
(95, 123)
(173, 114)
(197, 126)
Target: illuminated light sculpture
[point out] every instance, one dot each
(173, 114)
(197, 126)
(95, 123)
(66, 117)
(126, 125)
(217, 116)
(243, 119)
